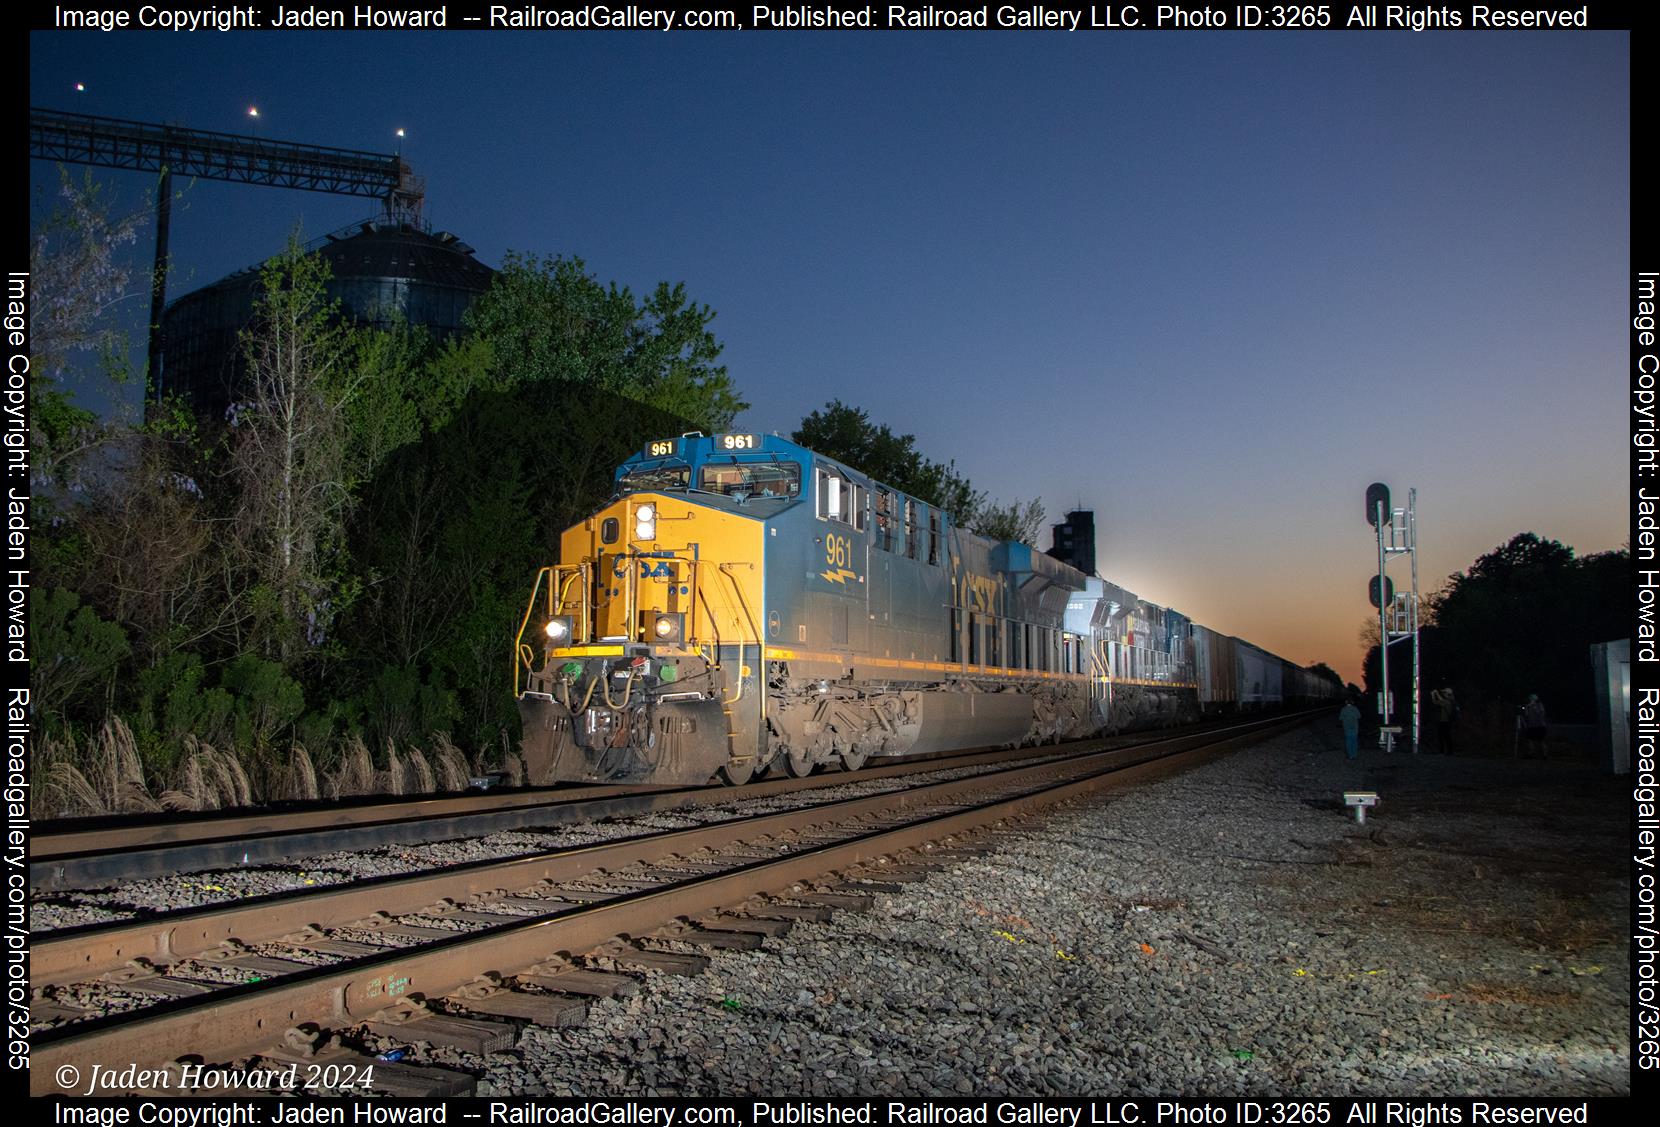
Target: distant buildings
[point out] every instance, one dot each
(1074, 541)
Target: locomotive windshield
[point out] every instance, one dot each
(755, 479)
(653, 478)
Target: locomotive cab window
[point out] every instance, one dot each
(839, 499)
(654, 478)
(752, 479)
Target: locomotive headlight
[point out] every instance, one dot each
(645, 522)
(558, 629)
(663, 626)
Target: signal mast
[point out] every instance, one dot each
(1397, 531)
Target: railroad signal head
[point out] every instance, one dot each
(1375, 493)
(1388, 591)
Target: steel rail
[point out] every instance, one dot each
(265, 838)
(84, 857)
(243, 1020)
(72, 954)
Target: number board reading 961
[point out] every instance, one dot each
(736, 442)
(661, 447)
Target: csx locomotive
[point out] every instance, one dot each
(746, 605)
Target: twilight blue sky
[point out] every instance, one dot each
(1210, 285)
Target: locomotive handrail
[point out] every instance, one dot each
(760, 642)
(523, 654)
(692, 569)
(559, 604)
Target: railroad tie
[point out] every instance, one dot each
(714, 938)
(853, 901)
(806, 913)
(758, 925)
(392, 1078)
(144, 977)
(573, 980)
(410, 1021)
(489, 994)
(313, 939)
(900, 876)
(667, 962)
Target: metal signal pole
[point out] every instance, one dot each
(1397, 531)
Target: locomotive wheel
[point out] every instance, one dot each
(736, 774)
(854, 757)
(796, 762)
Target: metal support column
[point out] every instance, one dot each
(158, 281)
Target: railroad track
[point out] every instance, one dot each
(300, 982)
(106, 853)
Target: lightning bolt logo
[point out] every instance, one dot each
(839, 575)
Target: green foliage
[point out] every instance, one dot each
(548, 321)
(76, 654)
(175, 700)
(361, 533)
(1016, 521)
(1521, 620)
(400, 706)
(292, 459)
(846, 434)
(250, 706)
(267, 700)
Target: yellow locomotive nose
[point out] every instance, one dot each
(648, 623)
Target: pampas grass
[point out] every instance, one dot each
(296, 780)
(117, 772)
(420, 773)
(208, 779)
(451, 765)
(105, 774)
(392, 779)
(356, 772)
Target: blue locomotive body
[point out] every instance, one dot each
(815, 616)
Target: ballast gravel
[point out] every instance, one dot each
(1228, 931)
(132, 899)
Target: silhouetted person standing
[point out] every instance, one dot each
(1349, 717)
(1446, 717)
(1535, 725)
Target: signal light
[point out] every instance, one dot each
(1388, 595)
(1375, 493)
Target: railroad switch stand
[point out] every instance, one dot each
(1360, 800)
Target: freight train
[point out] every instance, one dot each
(744, 605)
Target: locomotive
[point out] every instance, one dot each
(744, 605)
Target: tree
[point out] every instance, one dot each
(1325, 672)
(75, 652)
(1522, 619)
(77, 276)
(1016, 521)
(846, 434)
(290, 460)
(548, 321)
